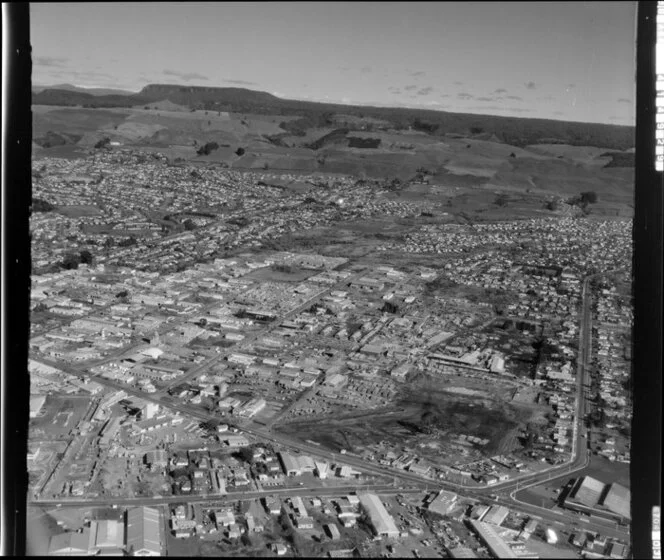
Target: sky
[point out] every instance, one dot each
(559, 60)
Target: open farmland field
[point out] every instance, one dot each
(468, 170)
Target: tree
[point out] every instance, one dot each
(71, 261)
(86, 257)
(189, 224)
(40, 205)
(102, 143)
(589, 197)
(207, 149)
(390, 307)
(40, 307)
(240, 151)
(501, 200)
(131, 240)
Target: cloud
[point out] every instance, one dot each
(498, 108)
(558, 113)
(530, 85)
(458, 83)
(425, 90)
(394, 89)
(514, 97)
(184, 76)
(444, 95)
(500, 90)
(623, 100)
(545, 98)
(485, 99)
(239, 82)
(366, 70)
(464, 95)
(418, 73)
(410, 88)
(56, 61)
(571, 86)
(90, 78)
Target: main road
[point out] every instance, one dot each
(578, 461)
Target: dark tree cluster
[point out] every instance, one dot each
(102, 143)
(354, 142)
(207, 149)
(130, 241)
(72, 260)
(40, 205)
(390, 307)
(424, 126)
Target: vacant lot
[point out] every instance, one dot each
(60, 416)
(424, 415)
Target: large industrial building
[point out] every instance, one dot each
(296, 465)
(109, 536)
(143, 532)
(496, 515)
(593, 497)
(381, 521)
(494, 542)
(443, 503)
(617, 500)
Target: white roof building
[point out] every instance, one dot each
(143, 532)
(381, 520)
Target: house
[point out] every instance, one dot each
(333, 531)
(304, 522)
(234, 531)
(279, 549)
(272, 505)
(157, 458)
(224, 518)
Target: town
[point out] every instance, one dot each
(213, 372)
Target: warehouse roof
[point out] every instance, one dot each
(381, 520)
(493, 540)
(143, 531)
(588, 491)
(617, 500)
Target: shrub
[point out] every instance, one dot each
(589, 197)
(40, 205)
(102, 143)
(86, 257)
(501, 200)
(207, 149)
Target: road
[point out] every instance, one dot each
(228, 497)
(578, 461)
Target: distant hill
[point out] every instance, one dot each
(91, 91)
(510, 130)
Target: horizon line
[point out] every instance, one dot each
(130, 91)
